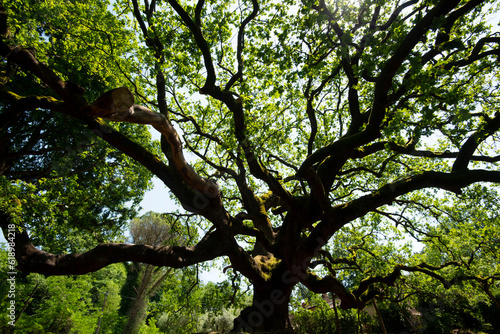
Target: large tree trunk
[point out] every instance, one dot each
(269, 309)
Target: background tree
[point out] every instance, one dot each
(64, 304)
(464, 235)
(155, 230)
(307, 119)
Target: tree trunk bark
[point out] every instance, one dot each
(338, 329)
(102, 310)
(268, 312)
(407, 319)
(136, 315)
(379, 315)
(26, 303)
(495, 301)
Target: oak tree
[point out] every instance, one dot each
(307, 122)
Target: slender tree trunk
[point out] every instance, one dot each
(382, 325)
(146, 289)
(137, 312)
(136, 315)
(102, 310)
(407, 319)
(360, 325)
(26, 303)
(338, 329)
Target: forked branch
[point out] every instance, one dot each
(118, 105)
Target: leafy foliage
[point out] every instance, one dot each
(63, 178)
(65, 304)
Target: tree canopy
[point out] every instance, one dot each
(321, 136)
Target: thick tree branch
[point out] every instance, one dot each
(453, 182)
(476, 53)
(31, 259)
(382, 87)
(347, 64)
(71, 94)
(390, 68)
(142, 25)
(311, 112)
(365, 291)
(469, 147)
(257, 170)
(118, 105)
(331, 284)
(395, 15)
(197, 12)
(18, 104)
(339, 147)
(345, 213)
(411, 151)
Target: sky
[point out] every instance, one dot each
(158, 200)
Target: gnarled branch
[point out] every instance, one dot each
(31, 259)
